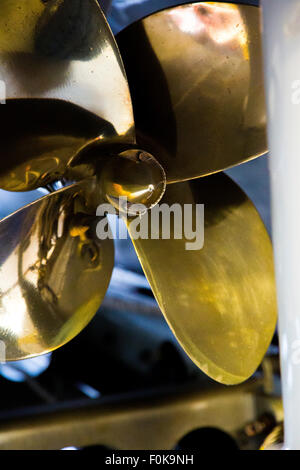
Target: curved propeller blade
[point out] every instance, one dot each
(196, 82)
(54, 273)
(220, 300)
(65, 89)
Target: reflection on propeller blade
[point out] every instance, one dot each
(65, 88)
(54, 273)
(274, 441)
(220, 300)
(196, 83)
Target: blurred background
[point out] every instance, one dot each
(126, 370)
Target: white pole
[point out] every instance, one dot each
(281, 37)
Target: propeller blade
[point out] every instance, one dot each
(219, 300)
(196, 81)
(54, 273)
(65, 89)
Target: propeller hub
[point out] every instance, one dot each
(133, 182)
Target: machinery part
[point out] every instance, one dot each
(195, 76)
(65, 89)
(54, 273)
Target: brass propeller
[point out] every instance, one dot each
(54, 273)
(197, 89)
(219, 300)
(275, 440)
(196, 82)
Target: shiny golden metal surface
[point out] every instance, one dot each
(65, 85)
(196, 81)
(275, 440)
(138, 422)
(195, 76)
(131, 179)
(54, 273)
(219, 301)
